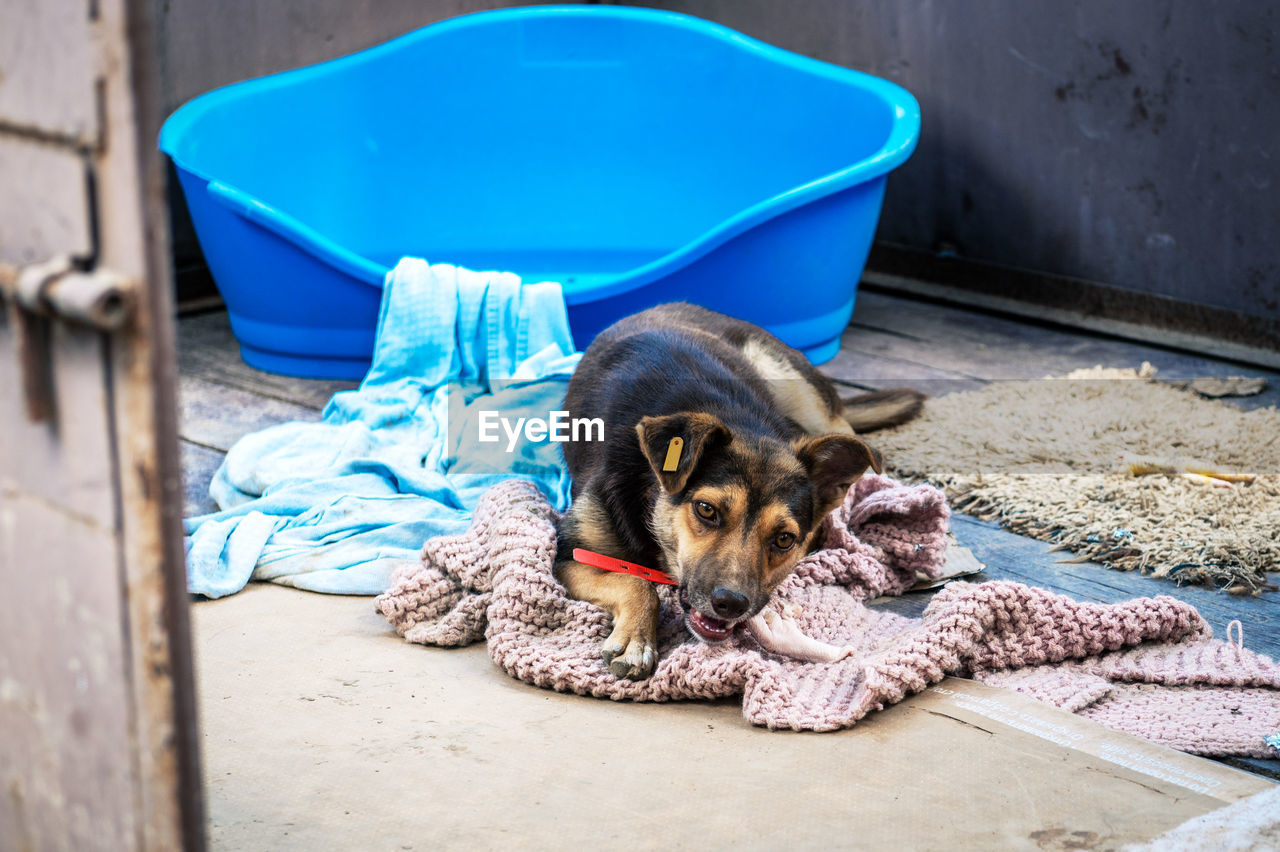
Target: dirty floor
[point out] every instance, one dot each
(321, 729)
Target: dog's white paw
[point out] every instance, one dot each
(629, 654)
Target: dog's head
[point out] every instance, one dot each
(736, 513)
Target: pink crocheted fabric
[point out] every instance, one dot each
(1174, 685)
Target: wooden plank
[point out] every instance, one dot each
(66, 724)
(132, 240)
(208, 350)
(198, 466)
(1113, 312)
(66, 461)
(1265, 768)
(40, 219)
(858, 365)
(49, 70)
(1008, 556)
(988, 342)
(96, 704)
(69, 773)
(1013, 557)
(216, 415)
(990, 347)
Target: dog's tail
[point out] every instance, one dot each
(879, 409)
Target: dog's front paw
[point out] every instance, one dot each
(629, 653)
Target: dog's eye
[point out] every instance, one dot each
(705, 510)
(784, 541)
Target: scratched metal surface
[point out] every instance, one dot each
(1131, 144)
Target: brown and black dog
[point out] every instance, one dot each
(769, 449)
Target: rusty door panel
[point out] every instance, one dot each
(69, 773)
(66, 461)
(48, 64)
(41, 219)
(97, 726)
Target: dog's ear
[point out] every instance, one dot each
(834, 463)
(697, 433)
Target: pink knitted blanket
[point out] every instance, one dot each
(1148, 666)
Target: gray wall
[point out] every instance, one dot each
(216, 42)
(213, 43)
(1131, 144)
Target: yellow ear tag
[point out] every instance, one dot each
(673, 454)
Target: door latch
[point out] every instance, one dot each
(58, 291)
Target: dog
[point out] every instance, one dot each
(766, 449)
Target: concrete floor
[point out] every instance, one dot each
(322, 729)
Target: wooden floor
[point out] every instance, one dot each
(892, 341)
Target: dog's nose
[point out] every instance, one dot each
(729, 604)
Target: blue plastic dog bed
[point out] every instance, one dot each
(635, 156)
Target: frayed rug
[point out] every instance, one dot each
(1147, 666)
(1112, 466)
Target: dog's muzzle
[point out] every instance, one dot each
(713, 628)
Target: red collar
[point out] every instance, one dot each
(608, 563)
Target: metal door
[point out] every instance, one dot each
(97, 732)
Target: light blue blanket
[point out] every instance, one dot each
(336, 506)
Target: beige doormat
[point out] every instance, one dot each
(1110, 465)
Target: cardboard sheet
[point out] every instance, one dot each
(323, 729)
(1015, 716)
(960, 563)
(989, 768)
